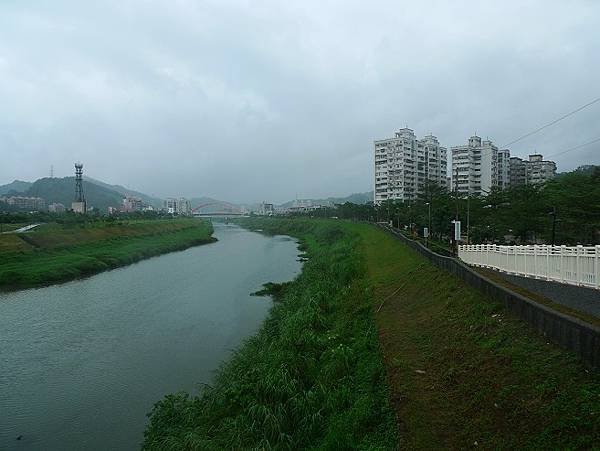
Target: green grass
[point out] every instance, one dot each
(459, 371)
(311, 378)
(57, 254)
(462, 371)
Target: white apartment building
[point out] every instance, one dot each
(532, 171)
(266, 209)
(180, 206)
(404, 164)
(131, 204)
(475, 167)
(25, 203)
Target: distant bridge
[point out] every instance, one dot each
(224, 210)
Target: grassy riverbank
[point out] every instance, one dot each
(311, 378)
(460, 373)
(464, 373)
(57, 253)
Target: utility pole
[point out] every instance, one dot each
(409, 217)
(468, 219)
(456, 217)
(553, 213)
(456, 191)
(428, 222)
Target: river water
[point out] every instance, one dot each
(83, 362)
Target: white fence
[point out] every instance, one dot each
(575, 265)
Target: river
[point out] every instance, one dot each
(83, 362)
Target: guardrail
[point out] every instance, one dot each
(574, 265)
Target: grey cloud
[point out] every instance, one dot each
(265, 100)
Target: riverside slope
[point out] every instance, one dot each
(58, 253)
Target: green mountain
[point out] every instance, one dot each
(18, 186)
(98, 194)
(62, 190)
(154, 201)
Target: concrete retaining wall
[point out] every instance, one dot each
(570, 333)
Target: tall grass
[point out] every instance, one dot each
(311, 378)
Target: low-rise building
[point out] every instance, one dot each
(79, 207)
(25, 203)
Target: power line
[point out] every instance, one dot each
(553, 122)
(550, 124)
(576, 147)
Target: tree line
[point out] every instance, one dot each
(565, 210)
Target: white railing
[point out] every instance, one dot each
(575, 265)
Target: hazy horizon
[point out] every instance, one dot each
(246, 101)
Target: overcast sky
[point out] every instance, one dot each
(265, 100)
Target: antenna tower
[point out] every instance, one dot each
(79, 183)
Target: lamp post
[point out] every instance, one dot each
(428, 222)
(468, 218)
(553, 214)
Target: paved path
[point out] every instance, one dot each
(23, 229)
(579, 298)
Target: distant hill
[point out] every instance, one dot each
(356, 198)
(154, 201)
(63, 190)
(18, 186)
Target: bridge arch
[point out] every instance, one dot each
(226, 208)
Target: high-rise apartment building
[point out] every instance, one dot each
(404, 165)
(475, 167)
(131, 204)
(180, 206)
(540, 170)
(518, 171)
(503, 168)
(530, 172)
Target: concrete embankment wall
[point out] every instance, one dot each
(570, 333)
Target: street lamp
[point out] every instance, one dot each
(553, 214)
(428, 222)
(468, 218)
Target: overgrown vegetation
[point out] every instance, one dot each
(311, 378)
(60, 252)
